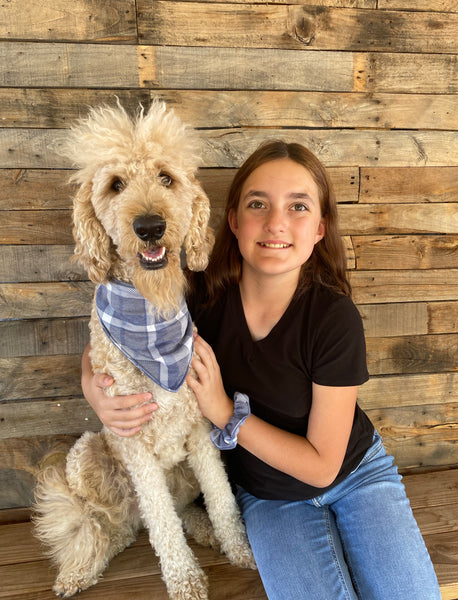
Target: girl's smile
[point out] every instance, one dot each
(278, 220)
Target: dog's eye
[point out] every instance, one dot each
(165, 179)
(118, 185)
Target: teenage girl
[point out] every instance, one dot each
(282, 354)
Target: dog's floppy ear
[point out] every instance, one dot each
(92, 244)
(199, 240)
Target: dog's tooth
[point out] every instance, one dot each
(154, 254)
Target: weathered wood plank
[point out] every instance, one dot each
(32, 148)
(396, 319)
(45, 300)
(36, 226)
(249, 68)
(369, 219)
(432, 489)
(412, 354)
(55, 108)
(413, 318)
(437, 5)
(406, 251)
(244, 68)
(418, 439)
(340, 147)
(21, 458)
(39, 263)
(408, 390)
(437, 520)
(295, 27)
(392, 72)
(339, 3)
(34, 452)
(422, 184)
(43, 337)
(373, 287)
(442, 316)
(69, 416)
(40, 377)
(112, 20)
(24, 64)
(41, 189)
(443, 549)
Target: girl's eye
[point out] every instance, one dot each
(299, 206)
(118, 185)
(165, 179)
(256, 204)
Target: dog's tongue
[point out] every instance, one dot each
(153, 253)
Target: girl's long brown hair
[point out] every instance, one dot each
(327, 264)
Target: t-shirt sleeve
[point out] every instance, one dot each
(339, 347)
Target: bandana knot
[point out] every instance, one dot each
(160, 347)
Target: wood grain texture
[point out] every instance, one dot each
(33, 148)
(43, 337)
(45, 300)
(112, 20)
(23, 64)
(39, 377)
(422, 184)
(58, 107)
(30, 263)
(413, 354)
(412, 390)
(295, 27)
(373, 287)
(406, 251)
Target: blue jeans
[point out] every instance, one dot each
(359, 540)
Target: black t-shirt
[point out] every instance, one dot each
(318, 339)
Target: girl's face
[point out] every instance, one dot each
(278, 220)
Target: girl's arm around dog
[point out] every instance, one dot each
(123, 415)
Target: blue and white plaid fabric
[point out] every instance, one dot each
(161, 348)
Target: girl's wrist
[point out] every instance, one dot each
(225, 438)
(224, 413)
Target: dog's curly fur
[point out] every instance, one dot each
(91, 508)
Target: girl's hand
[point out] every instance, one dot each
(208, 385)
(123, 415)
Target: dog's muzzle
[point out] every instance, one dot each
(150, 229)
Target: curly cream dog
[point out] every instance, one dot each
(138, 208)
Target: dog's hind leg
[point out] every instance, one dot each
(222, 508)
(185, 489)
(197, 523)
(74, 519)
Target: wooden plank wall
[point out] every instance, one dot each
(369, 85)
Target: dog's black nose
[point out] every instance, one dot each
(149, 227)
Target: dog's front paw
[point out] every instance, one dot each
(194, 588)
(242, 557)
(66, 587)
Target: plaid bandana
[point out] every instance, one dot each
(162, 349)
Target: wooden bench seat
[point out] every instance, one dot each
(25, 574)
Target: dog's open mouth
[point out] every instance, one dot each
(153, 258)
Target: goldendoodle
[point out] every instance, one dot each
(138, 212)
